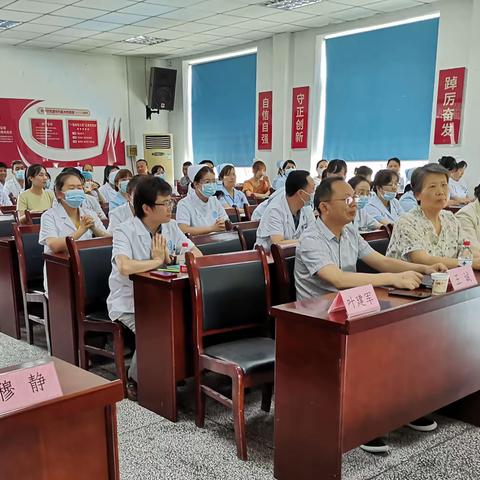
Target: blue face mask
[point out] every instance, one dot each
(288, 171)
(20, 174)
(74, 198)
(87, 176)
(362, 202)
(47, 185)
(209, 189)
(389, 196)
(122, 186)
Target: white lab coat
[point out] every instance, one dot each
(378, 211)
(118, 216)
(196, 213)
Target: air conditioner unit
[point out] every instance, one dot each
(158, 150)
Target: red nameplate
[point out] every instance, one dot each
(356, 301)
(28, 386)
(462, 277)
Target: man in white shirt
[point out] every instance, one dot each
(290, 213)
(15, 186)
(146, 242)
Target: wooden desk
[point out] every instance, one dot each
(61, 306)
(11, 300)
(340, 383)
(72, 437)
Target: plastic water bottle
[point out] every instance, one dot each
(181, 257)
(465, 256)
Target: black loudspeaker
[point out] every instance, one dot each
(161, 95)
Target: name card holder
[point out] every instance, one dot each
(462, 277)
(28, 386)
(356, 301)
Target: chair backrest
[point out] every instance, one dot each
(30, 254)
(249, 209)
(230, 292)
(32, 218)
(233, 214)
(6, 229)
(223, 242)
(8, 209)
(380, 234)
(247, 230)
(91, 262)
(284, 264)
(379, 241)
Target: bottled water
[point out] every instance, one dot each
(465, 255)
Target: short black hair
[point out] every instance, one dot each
(186, 164)
(448, 162)
(61, 177)
(462, 164)
(226, 170)
(204, 162)
(17, 162)
(133, 182)
(336, 166)
(32, 171)
(107, 171)
(363, 171)
(320, 161)
(324, 190)
(356, 180)
(296, 180)
(3, 165)
(286, 162)
(74, 171)
(382, 178)
(419, 174)
(141, 160)
(394, 159)
(147, 191)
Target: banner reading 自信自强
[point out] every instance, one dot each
(57, 137)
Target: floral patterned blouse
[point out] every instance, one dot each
(413, 231)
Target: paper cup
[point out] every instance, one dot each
(439, 283)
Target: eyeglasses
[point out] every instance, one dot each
(168, 204)
(391, 185)
(348, 200)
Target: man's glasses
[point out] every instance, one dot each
(348, 200)
(168, 204)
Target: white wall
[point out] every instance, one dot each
(293, 59)
(108, 85)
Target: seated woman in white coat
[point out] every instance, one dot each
(200, 211)
(469, 218)
(227, 194)
(290, 213)
(67, 218)
(107, 190)
(363, 220)
(284, 168)
(383, 206)
(124, 212)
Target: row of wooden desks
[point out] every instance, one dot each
(351, 380)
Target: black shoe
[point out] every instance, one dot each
(423, 424)
(132, 390)
(377, 445)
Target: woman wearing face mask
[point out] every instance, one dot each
(67, 218)
(91, 187)
(321, 167)
(283, 171)
(158, 171)
(363, 220)
(121, 183)
(124, 212)
(259, 185)
(229, 196)
(35, 198)
(108, 188)
(336, 168)
(200, 211)
(384, 206)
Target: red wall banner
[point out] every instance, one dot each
(300, 117)
(265, 120)
(449, 106)
(35, 133)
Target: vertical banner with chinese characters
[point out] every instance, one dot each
(300, 117)
(265, 120)
(449, 106)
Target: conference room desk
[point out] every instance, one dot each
(61, 307)
(11, 300)
(341, 382)
(70, 437)
(164, 339)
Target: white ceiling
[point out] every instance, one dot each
(191, 26)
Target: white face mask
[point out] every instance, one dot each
(320, 171)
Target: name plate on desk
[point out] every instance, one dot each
(356, 301)
(462, 277)
(28, 386)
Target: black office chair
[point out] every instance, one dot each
(380, 245)
(248, 230)
(284, 264)
(223, 242)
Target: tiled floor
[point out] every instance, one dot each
(153, 448)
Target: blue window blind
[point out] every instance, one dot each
(223, 110)
(380, 92)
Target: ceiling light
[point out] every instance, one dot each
(145, 40)
(290, 4)
(4, 24)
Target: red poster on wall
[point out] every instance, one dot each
(48, 132)
(82, 133)
(300, 117)
(449, 106)
(265, 120)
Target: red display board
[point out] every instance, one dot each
(48, 132)
(82, 133)
(265, 120)
(300, 117)
(448, 118)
